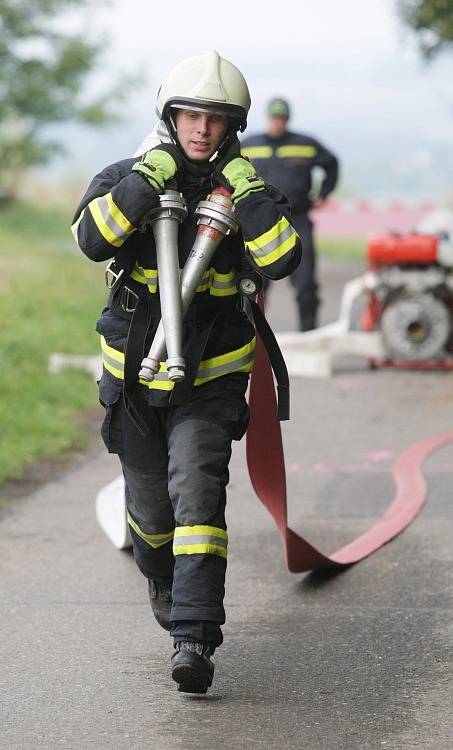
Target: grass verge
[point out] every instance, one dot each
(50, 299)
(341, 248)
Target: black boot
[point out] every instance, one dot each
(191, 667)
(160, 599)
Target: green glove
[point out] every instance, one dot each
(159, 165)
(239, 175)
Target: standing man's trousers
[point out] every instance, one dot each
(303, 278)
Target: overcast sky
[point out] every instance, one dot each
(350, 70)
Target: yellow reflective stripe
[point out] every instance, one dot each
(223, 292)
(239, 360)
(281, 250)
(154, 540)
(151, 279)
(75, 227)
(102, 225)
(200, 540)
(296, 151)
(222, 278)
(118, 215)
(272, 234)
(257, 152)
(145, 276)
(112, 369)
(223, 284)
(112, 359)
(115, 354)
(219, 284)
(200, 529)
(274, 243)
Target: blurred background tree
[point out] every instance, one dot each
(43, 66)
(432, 20)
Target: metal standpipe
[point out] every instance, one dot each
(216, 219)
(165, 220)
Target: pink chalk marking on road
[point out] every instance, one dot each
(344, 386)
(320, 468)
(377, 456)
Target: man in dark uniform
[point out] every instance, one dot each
(286, 159)
(176, 470)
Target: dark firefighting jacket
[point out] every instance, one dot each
(110, 220)
(287, 163)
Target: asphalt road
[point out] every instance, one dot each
(361, 660)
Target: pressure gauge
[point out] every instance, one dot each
(249, 283)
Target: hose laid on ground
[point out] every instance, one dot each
(266, 464)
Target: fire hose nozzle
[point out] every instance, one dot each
(216, 219)
(165, 219)
(150, 368)
(176, 368)
(172, 205)
(217, 213)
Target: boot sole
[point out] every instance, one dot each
(190, 680)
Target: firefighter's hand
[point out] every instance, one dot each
(238, 175)
(159, 165)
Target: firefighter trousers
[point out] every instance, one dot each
(176, 480)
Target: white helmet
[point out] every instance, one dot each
(206, 82)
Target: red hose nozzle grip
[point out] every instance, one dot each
(222, 191)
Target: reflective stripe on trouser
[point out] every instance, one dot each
(178, 475)
(199, 540)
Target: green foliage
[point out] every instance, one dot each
(432, 20)
(42, 71)
(51, 297)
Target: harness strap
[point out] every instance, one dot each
(133, 355)
(276, 360)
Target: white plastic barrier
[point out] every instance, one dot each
(311, 354)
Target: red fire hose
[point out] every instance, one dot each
(266, 464)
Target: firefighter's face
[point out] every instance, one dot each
(276, 126)
(200, 133)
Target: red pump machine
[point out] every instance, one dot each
(409, 287)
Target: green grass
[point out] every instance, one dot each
(50, 300)
(35, 221)
(341, 248)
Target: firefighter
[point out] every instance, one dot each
(176, 470)
(286, 159)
